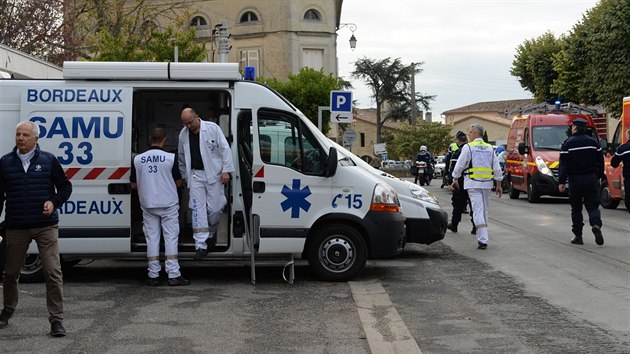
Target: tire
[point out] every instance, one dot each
(532, 195)
(337, 253)
(605, 198)
(33, 269)
(514, 193)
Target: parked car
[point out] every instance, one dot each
(424, 218)
(440, 165)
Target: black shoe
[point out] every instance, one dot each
(451, 227)
(152, 281)
(474, 230)
(200, 253)
(178, 281)
(482, 246)
(599, 238)
(577, 240)
(211, 242)
(56, 329)
(4, 318)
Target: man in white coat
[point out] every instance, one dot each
(205, 163)
(156, 176)
(479, 165)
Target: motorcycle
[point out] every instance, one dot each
(422, 173)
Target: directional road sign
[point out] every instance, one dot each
(341, 106)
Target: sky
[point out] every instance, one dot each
(467, 46)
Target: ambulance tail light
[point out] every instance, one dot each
(385, 199)
(542, 167)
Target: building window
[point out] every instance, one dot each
(251, 58)
(198, 21)
(313, 58)
(312, 15)
(248, 16)
(362, 139)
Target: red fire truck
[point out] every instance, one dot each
(612, 191)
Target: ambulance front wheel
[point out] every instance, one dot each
(337, 252)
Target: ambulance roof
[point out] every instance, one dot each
(85, 70)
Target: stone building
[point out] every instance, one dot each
(489, 114)
(277, 37)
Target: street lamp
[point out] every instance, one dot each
(352, 27)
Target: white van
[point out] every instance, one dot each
(280, 206)
(425, 220)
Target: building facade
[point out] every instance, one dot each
(276, 37)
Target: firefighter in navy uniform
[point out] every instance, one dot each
(582, 165)
(459, 199)
(623, 155)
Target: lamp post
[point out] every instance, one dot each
(352, 27)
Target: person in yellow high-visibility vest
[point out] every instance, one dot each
(480, 166)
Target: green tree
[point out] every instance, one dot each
(591, 65)
(389, 82)
(594, 65)
(406, 141)
(533, 65)
(308, 90)
(156, 45)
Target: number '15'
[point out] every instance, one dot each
(353, 200)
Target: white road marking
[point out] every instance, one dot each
(384, 328)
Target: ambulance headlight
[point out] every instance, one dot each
(422, 194)
(385, 199)
(542, 167)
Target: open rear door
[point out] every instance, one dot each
(88, 128)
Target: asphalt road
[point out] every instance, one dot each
(531, 291)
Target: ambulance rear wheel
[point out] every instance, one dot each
(32, 270)
(337, 252)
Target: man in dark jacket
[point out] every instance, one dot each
(460, 198)
(34, 185)
(623, 155)
(582, 164)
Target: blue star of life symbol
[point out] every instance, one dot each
(296, 199)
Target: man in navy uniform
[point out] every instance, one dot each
(582, 164)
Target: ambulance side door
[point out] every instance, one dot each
(88, 128)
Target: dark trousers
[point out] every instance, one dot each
(459, 200)
(626, 186)
(47, 243)
(584, 189)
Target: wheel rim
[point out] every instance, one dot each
(337, 254)
(605, 195)
(32, 264)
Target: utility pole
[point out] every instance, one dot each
(413, 95)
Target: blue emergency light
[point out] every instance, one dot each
(250, 73)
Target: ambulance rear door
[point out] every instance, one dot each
(88, 127)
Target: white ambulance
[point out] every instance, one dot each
(286, 199)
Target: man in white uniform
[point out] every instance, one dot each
(205, 163)
(156, 176)
(479, 165)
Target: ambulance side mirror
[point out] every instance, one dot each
(331, 163)
(522, 149)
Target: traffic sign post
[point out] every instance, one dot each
(341, 106)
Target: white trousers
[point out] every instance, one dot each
(207, 202)
(163, 221)
(480, 201)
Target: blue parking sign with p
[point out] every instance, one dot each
(341, 101)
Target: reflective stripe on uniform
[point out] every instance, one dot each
(479, 173)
